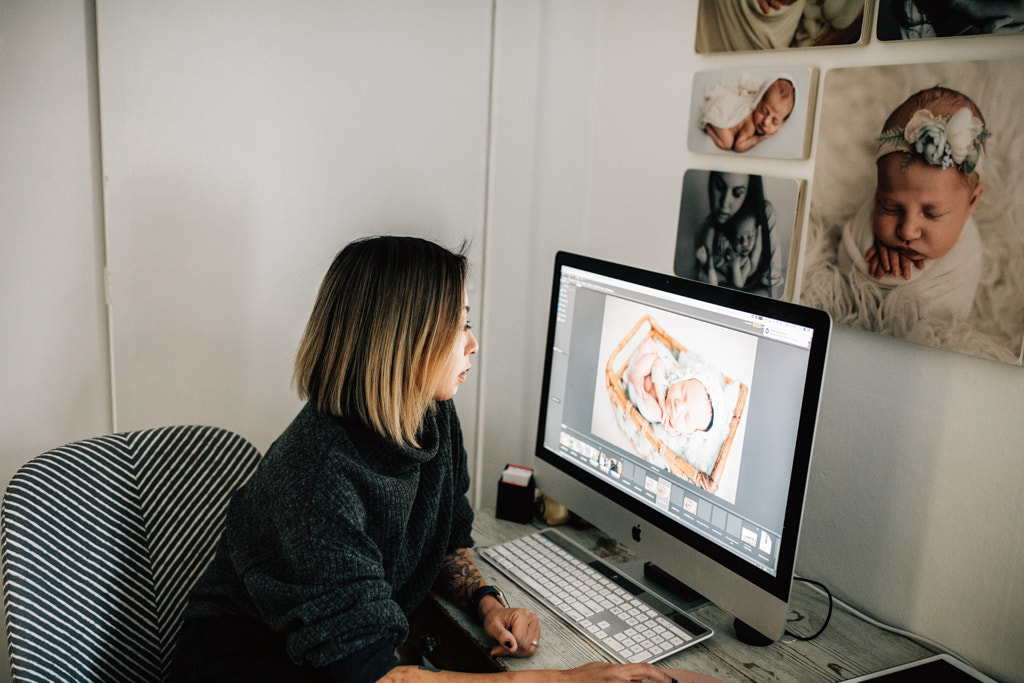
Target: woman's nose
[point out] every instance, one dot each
(472, 346)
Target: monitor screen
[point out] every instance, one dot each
(679, 417)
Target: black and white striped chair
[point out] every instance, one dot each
(102, 539)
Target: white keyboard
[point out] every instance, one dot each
(617, 614)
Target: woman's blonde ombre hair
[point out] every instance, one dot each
(385, 319)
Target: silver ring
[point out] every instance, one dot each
(534, 643)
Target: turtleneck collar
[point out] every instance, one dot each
(386, 456)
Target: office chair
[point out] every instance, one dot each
(101, 541)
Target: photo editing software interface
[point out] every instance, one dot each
(690, 407)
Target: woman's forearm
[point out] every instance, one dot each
(412, 674)
(596, 671)
(459, 578)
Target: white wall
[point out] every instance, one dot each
(915, 508)
(54, 372)
(242, 148)
(587, 153)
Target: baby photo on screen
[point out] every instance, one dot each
(673, 392)
(760, 112)
(741, 25)
(916, 220)
(737, 230)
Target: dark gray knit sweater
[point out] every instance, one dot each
(340, 535)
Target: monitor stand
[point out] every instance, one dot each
(750, 635)
(676, 588)
(660, 582)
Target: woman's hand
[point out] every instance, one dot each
(588, 673)
(617, 673)
(516, 630)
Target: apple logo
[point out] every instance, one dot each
(636, 533)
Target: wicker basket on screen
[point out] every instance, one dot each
(639, 431)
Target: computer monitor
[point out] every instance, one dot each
(679, 418)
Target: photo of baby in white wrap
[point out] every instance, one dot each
(917, 232)
(916, 217)
(669, 400)
(737, 116)
(753, 111)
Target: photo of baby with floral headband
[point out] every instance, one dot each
(917, 230)
(915, 227)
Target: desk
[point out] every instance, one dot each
(849, 646)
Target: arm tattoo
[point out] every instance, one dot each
(459, 578)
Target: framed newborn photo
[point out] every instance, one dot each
(742, 25)
(915, 228)
(762, 112)
(738, 230)
(916, 19)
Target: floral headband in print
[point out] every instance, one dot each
(940, 140)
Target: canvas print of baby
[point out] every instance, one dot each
(758, 112)
(918, 233)
(916, 223)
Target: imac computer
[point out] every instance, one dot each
(679, 418)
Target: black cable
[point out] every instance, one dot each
(827, 616)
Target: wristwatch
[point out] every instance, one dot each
(481, 593)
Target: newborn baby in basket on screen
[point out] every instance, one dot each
(683, 398)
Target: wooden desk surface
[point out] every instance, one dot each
(849, 647)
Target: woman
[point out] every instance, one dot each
(359, 509)
(737, 203)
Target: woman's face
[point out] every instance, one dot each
(726, 192)
(458, 360)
